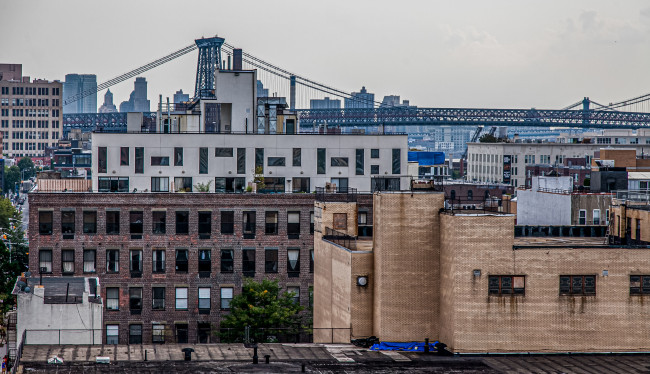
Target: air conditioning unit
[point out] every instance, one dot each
(103, 360)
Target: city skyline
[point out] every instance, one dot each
(439, 54)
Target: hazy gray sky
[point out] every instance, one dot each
(544, 54)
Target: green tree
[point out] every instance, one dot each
(258, 178)
(12, 175)
(27, 165)
(488, 138)
(264, 308)
(203, 187)
(13, 252)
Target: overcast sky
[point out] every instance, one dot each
(504, 54)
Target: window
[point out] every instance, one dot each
(360, 162)
(470, 195)
(159, 221)
(226, 297)
(67, 261)
(227, 260)
(397, 161)
(159, 184)
(311, 222)
(374, 153)
(577, 285)
(158, 333)
(607, 217)
(339, 161)
(135, 334)
(139, 160)
(204, 298)
(340, 221)
(293, 224)
(90, 257)
(67, 222)
(205, 224)
(112, 298)
(229, 185)
(135, 299)
(158, 261)
(271, 226)
(582, 217)
(181, 298)
(241, 160)
(113, 184)
(596, 213)
(341, 184)
(178, 156)
(135, 262)
(205, 262)
(223, 152)
(276, 161)
(181, 260)
(182, 222)
(45, 261)
(506, 285)
(227, 222)
(181, 333)
(297, 157)
(136, 218)
(293, 262)
(301, 184)
(112, 334)
(249, 225)
(183, 184)
(248, 262)
(259, 160)
(124, 156)
(639, 284)
(101, 160)
(271, 260)
(295, 293)
(112, 261)
(637, 233)
(112, 222)
(203, 161)
(90, 222)
(320, 160)
(311, 261)
(45, 223)
(204, 332)
(158, 296)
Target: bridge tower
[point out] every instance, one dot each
(208, 62)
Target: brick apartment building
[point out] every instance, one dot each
(30, 113)
(169, 263)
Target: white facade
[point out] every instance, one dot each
(160, 159)
(485, 160)
(51, 320)
(548, 202)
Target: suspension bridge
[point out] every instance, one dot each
(631, 113)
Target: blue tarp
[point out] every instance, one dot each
(407, 347)
(427, 158)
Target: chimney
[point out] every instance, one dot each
(237, 59)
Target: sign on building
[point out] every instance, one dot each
(506, 168)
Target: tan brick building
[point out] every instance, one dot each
(30, 113)
(462, 278)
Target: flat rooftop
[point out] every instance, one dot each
(562, 241)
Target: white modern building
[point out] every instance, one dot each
(236, 138)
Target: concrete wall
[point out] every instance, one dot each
(79, 323)
(239, 89)
(543, 208)
(406, 246)
(274, 146)
(590, 202)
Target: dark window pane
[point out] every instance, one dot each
(181, 261)
(374, 153)
(248, 262)
(590, 284)
(360, 162)
(178, 156)
(102, 160)
(112, 222)
(576, 285)
(203, 161)
(320, 161)
(139, 160)
(297, 159)
(182, 222)
(67, 222)
(645, 285)
(227, 222)
(205, 222)
(635, 284)
(339, 161)
(241, 160)
(124, 156)
(227, 260)
(90, 222)
(136, 222)
(205, 260)
(223, 152)
(159, 161)
(249, 223)
(271, 261)
(293, 223)
(45, 223)
(276, 161)
(159, 224)
(271, 223)
(506, 285)
(565, 285)
(397, 161)
(259, 160)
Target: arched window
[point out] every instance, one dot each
(470, 195)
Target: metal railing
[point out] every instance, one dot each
(340, 238)
(634, 196)
(336, 194)
(19, 353)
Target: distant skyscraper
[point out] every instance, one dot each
(76, 84)
(325, 103)
(108, 106)
(261, 91)
(180, 97)
(394, 102)
(362, 99)
(138, 98)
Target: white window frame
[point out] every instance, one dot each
(204, 296)
(181, 298)
(226, 294)
(113, 330)
(582, 215)
(596, 213)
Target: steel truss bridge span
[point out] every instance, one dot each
(473, 117)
